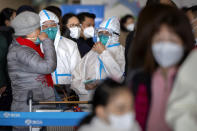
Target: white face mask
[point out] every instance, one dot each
(167, 53)
(122, 122)
(75, 32)
(88, 32)
(130, 27)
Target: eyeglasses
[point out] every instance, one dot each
(73, 25)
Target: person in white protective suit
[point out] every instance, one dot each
(106, 59)
(67, 52)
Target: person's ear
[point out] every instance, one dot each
(7, 22)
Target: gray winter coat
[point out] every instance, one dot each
(27, 70)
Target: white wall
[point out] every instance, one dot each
(118, 10)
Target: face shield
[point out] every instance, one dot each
(48, 24)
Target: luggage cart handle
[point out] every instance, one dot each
(29, 96)
(64, 102)
(29, 102)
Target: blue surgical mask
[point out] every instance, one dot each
(51, 32)
(103, 39)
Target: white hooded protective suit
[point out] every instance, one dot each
(67, 52)
(94, 66)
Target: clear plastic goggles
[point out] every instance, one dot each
(104, 31)
(48, 24)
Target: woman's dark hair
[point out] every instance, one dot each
(56, 10)
(150, 20)
(103, 93)
(65, 31)
(123, 20)
(81, 16)
(5, 14)
(25, 8)
(152, 2)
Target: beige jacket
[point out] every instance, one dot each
(182, 105)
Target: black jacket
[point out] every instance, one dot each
(128, 50)
(3, 61)
(84, 46)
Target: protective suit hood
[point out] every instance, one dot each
(46, 15)
(113, 26)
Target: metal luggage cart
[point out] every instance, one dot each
(31, 102)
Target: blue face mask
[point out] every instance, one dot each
(103, 39)
(51, 32)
